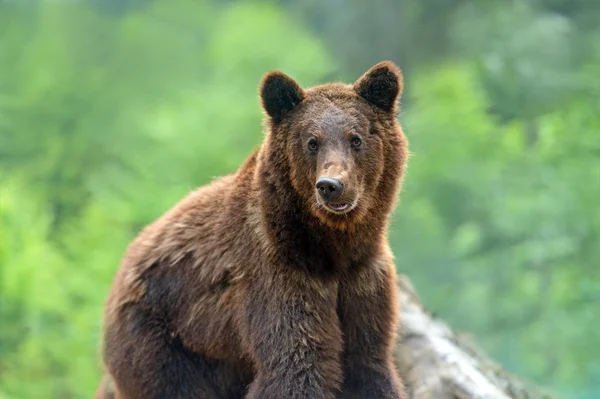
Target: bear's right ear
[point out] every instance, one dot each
(279, 94)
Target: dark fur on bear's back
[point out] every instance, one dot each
(252, 286)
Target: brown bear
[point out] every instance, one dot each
(276, 281)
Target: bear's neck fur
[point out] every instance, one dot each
(305, 241)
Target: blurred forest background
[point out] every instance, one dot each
(112, 110)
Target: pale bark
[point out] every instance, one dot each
(437, 363)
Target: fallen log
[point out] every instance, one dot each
(437, 363)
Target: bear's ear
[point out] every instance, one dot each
(279, 94)
(381, 86)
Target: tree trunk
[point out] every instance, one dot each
(436, 363)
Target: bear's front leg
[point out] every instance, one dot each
(294, 336)
(368, 318)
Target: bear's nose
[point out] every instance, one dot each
(329, 189)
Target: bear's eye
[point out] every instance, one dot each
(356, 142)
(313, 145)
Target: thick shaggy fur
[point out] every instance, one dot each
(251, 286)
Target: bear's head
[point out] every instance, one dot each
(343, 149)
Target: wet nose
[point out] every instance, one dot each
(329, 189)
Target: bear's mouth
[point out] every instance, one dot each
(340, 207)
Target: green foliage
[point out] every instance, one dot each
(510, 227)
(110, 112)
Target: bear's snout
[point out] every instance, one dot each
(329, 189)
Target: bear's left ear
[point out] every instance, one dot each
(279, 94)
(381, 86)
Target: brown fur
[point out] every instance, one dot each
(250, 287)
